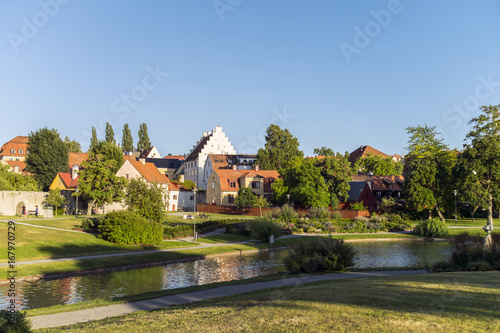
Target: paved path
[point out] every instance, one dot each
(80, 316)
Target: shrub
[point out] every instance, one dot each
(319, 255)
(318, 213)
(358, 206)
(90, 224)
(469, 253)
(129, 228)
(336, 215)
(361, 219)
(396, 218)
(262, 230)
(378, 218)
(8, 325)
(285, 214)
(178, 231)
(431, 228)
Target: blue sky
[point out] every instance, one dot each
(339, 74)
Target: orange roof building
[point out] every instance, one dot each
(64, 181)
(15, 149)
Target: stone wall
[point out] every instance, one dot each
(11, 202)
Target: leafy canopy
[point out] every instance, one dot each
(10, 181)
(280, 147)
(127, 140)
(148, 200)
(144, 141)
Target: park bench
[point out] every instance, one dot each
(31, 212)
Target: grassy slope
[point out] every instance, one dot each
(447, 302)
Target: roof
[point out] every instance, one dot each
(68, 182)
(165, 163)
(356, 190)
(20, 164)
(227, 176)
(196, 151)
(364, 151)
(220, 161)
(177, 157)
(19, 142)
(148, 171)
(381, 183)
(77, 158)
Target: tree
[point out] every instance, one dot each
(127, 140)
(336, 171)
(378, 165)
(280, 147)
(109, 151)
(73, 146)
(481, 159)
(94, 139)
(10, 181)
(302, 179)
(146, 199)
(428, 183)
(110, 134)
(387, 203)
(54, 198)
(324, 151)
(47, 156)
(260, 202)
(98, 182)
(144, 141)
(245, 198)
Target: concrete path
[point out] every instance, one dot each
(80, 316)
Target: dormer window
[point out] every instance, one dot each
(20, 151)
(13, 151)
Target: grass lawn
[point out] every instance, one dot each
(446, 302)
(467, 222)
(223, 238)
(67, 223)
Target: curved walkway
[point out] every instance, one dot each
(81, 316)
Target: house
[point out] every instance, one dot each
(132, 169)
(214, 142)
(13, 153)
(383, 186)
(219, 161)
(223, 184)
(365, 151)
(150, 152)
(361, 192)
(75, 162)
(64, 181)
(168, 166)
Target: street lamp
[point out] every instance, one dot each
(288, 198)
(455, 191)
(76, 208)
(194, 216)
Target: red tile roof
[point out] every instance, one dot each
(20, 164)
(227, 176)
(68, 182)
(77, 159)
(364, 151)
(382, 183)
(148, 171)
(19, 142)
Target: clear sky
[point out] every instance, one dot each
(339, 74)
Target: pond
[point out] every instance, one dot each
(371, 254)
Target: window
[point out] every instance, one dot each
(191, 197)
(126, 176)
(255, 185)
(13, 151)
(213, 186)
(230, 198)
(20, 151)
(175, 197)
(232, 184)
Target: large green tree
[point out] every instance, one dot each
(127, 140)
(336, 171)
(280, 147)
(323, 151)
(302, 179)
(429, 182)
(245, 198)
(10, 181)
(73, 145)
(47, 156)
(55, 198)
(144, 141)
(146, 199)
(98, 183)
(109, 134)
(378, 165)
(109, 151)
(481, 159)
(93, 139)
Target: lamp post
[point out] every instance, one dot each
(76, 208)
(288, 198)
(455, 191)
(194, 216)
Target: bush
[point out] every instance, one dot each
(285, 214)
(336, 215)
(358, 206)
(318, 213)
(90, 224)
(238, 229)
(178, 231)
(129, 228)
(262, 230)
(431, 228)
(469, 253)
(8, 325)
(319, 255)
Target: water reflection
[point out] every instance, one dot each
(223, 268)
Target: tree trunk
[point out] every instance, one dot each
(90, 206)
(260, 212)
(441, 217)
(489, 217)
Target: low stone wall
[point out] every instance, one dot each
(11, 202)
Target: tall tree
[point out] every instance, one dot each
(260, 202)
(47, 156)
(144, 141)
(336, 171)
(110, 134)
(245, 199)
(146, 199)
(428, 184)
(481, 158)
(98, 182)
(109, 151)
(94, 139)
(73, 145)
(324, 151)
(127, 140)
(55, 198)
(378, 165)
(280, 147)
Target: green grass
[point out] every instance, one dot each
(467, 222)
(67, 223)
(447, 302)
(223, 238)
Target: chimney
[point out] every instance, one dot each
(142, 160)
(257, 167)
(234, 167)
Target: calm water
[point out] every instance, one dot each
(223, 268)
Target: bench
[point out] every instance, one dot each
(31, 212)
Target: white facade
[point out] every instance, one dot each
(214, 142)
